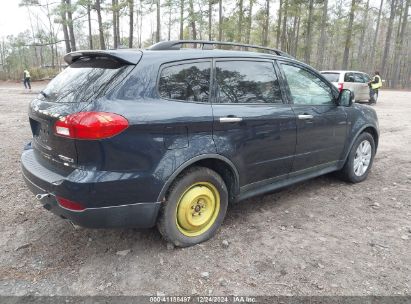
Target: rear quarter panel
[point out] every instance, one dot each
(162, 134)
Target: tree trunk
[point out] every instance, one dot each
(363, 30)
(100, 25)
(169, 22)
(70, 25)
(64, 26)
(277, 40)
(249, 21)
(400, 54)
(118, 24)
(52, 55)
(348, 37)
(308, 42)
(140, 24)
(131, 21)
(240, 20)
(321, 44)
(374, 44)
(192, 20)
(158, 32)
(2, 53)
(266, 23)
(284, 31)
(90, 36)
(210, 15)
(297, 36)
(113, 8)
(399, 13)
(388, 37)
(220, 20)
(181, 19)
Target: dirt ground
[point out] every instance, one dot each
(320, 237)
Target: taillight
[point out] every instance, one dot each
(90, 125)
(340, 86)
(65, 203)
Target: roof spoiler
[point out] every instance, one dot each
(126, 56)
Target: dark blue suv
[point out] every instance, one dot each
(170, 136)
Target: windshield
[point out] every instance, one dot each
(85, 79)
(333, 77)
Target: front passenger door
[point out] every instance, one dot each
(321, 124)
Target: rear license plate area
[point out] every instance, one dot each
(41, 131)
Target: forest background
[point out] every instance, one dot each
(365, 35)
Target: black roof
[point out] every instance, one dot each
(172, 51)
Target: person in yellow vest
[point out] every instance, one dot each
(26, 79)
(375, 84)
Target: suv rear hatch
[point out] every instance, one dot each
(90, 75)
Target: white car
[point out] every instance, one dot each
(355, 81)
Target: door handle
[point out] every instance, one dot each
(230, 119)
(305, 116)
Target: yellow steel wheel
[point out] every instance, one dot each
(197, 209)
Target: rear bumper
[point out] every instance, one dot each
(41, 180)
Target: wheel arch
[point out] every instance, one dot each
(367, 128)
(373, 131)
(218, 163)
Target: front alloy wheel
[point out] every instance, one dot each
(360, 159)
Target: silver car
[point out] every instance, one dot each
(355, 81)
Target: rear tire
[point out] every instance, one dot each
(195, 207)
(360, 159)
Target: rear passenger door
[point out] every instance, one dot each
(252, 125)
(321, 123)
(349, 82)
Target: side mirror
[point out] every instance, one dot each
(345, 98)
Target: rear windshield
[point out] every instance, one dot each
(85, 79)
(333, 77)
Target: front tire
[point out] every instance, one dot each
(360, 159)
(195, 207)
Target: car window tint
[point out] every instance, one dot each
(306, 88)
(85, 79)
(366, 77)
(333, 77)
(188, 81)
(358, 77)
(247, 82)
(348, 77)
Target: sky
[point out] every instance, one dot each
(12, 18)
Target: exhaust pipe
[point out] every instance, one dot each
(39, 197)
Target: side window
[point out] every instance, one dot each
(306, 88)
(366, 78)
(349, 77)
(247, 82)
(358, 77)
(187, 81)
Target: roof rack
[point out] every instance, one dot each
(209, 45)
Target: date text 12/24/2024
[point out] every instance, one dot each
(203, 299)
